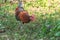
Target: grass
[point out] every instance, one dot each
(46, 26)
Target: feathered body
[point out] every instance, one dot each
(22, 15)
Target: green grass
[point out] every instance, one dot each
(46, 26)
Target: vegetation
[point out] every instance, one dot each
(45, 27)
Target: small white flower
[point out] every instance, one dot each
(0, 24)
(16, 34)
(6, 20)
(41, 39)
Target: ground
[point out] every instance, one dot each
(45, 27)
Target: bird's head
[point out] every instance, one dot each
(32, 17)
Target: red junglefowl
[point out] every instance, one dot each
(22, 15)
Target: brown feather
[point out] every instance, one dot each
(24, 16)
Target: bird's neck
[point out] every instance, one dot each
(20, 5)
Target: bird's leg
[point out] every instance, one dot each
(23, 22)
(20, 26)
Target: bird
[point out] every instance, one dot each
(22, 15)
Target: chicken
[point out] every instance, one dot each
(22, 15)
